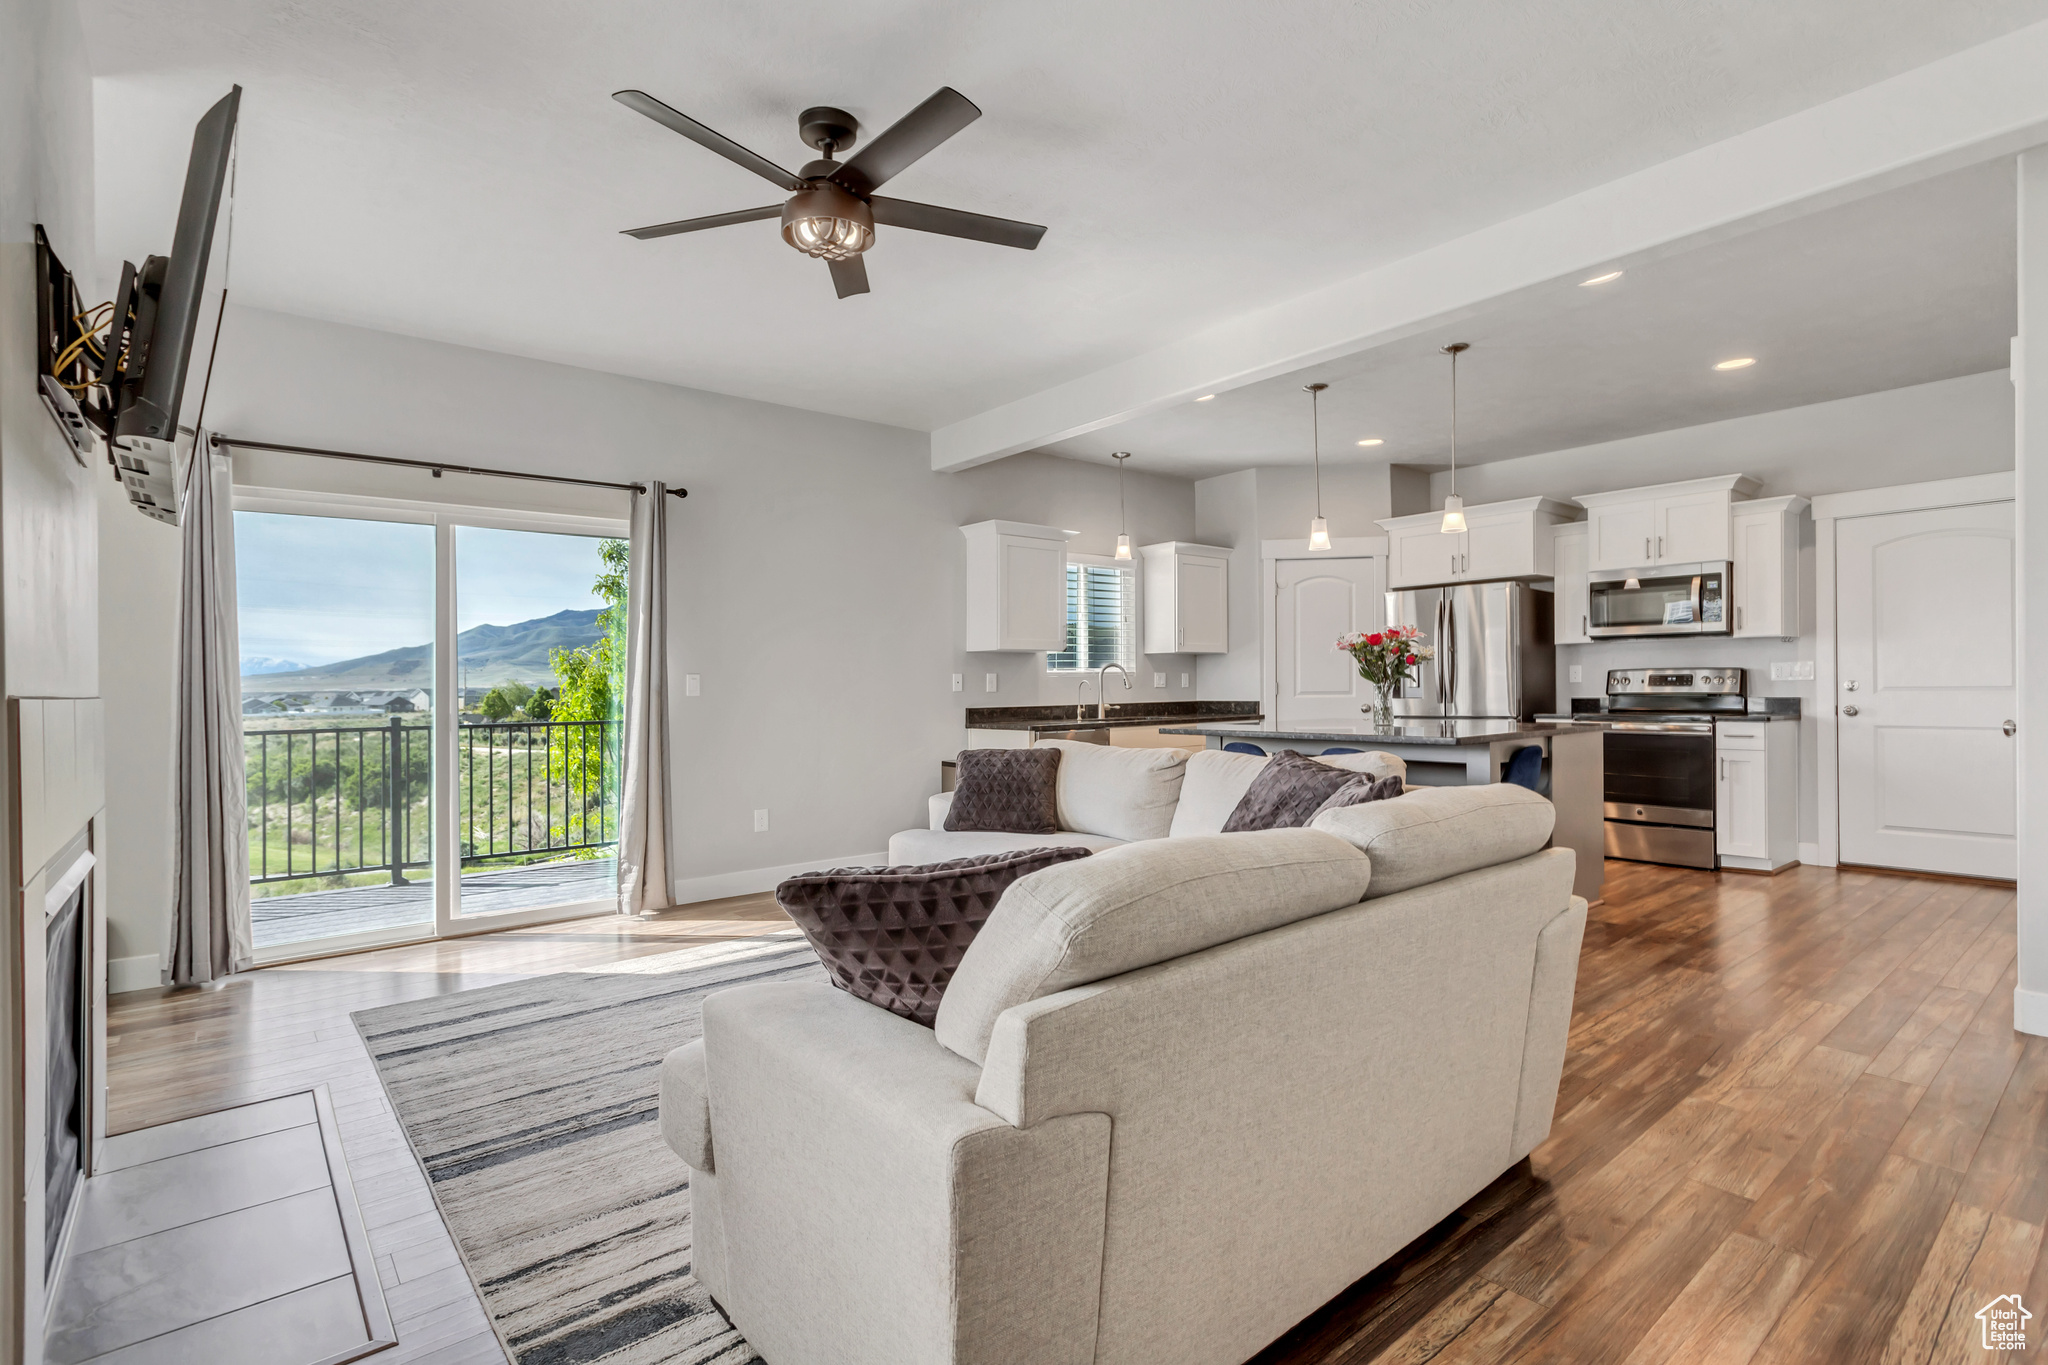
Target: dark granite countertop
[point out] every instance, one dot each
(1044, 718)
(1409, 731)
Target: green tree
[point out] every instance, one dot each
(585, 758)
(504, 701)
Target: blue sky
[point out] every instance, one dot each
(318, 589)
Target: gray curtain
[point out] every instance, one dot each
(210, 936)
(644, 884)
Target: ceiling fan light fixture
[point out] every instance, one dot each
(827, 222)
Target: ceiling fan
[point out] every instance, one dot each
(833, 209)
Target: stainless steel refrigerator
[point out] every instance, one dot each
(1494, 656)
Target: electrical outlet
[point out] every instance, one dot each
(959, 681)
(988, 682)
(760, 822)
(1159, 680)
(1578, 672)
(691, 685)
(1183, 680)
(1792, 671)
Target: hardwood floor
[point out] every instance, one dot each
(1795, 1125)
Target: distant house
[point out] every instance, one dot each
(397, 703)
(261, 706)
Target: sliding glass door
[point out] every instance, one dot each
(430, 718)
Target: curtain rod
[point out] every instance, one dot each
(435, 467)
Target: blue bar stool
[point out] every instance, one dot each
(1525, 767)
(1238, 746)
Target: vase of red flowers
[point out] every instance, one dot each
(1386, 659)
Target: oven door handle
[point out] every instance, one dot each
(1678, 727)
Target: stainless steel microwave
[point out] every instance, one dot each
(1671, 599)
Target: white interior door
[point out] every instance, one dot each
(1925, 690)
(1315, 602)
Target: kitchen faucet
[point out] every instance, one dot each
(1081, 702)
(1102, 688)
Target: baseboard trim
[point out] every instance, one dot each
(1809, 854)
(754, 880)
(142, 973)
(2030, 1012)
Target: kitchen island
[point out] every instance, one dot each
(1459, 753)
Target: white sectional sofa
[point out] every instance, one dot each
(1110, 796)
(1180, 1093)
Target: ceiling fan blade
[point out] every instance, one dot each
(642, 102)
(907, 139)
(699, 224)
(849, 276)
(978, 227)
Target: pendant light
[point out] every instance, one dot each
(1454, 506)
(1319, 529)
(1123, 535)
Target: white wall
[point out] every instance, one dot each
(138, 634)
(1227, 514)
(816, 565)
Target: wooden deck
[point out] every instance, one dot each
(312, 915)
(1796, 1125)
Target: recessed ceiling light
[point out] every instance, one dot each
(1741, 362)
(1601, 279)
(1205, 398)
(1372, 441)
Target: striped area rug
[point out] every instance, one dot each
(531, 1107)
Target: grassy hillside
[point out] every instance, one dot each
(487, 654)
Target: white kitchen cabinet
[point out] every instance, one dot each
(1571, 601)
(1677, 523)
(1187, 598)
(1766, 565)
(1756, 794)
(1500, 540)
(1016, 586)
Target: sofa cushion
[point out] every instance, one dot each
(1119, 793)
(1359, 790)
(1132, 906)
(1216, 782)
(686, 1105)
(1012, 790)
(892, 936)
(1286, 794)
(1436, 832)
(917, 846)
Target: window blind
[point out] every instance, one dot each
(1102, 620)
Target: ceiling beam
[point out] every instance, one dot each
(1985, 102)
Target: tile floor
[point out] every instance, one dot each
(232, 1238)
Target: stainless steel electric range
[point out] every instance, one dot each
(1659, 746)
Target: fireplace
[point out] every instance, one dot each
(65, 1130)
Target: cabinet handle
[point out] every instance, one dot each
(1180, 635)
(1585, 625)
(1738, 618)
(1724, 769)
(1660, 547)
(1646, 547)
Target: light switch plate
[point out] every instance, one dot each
(1159, 680)
(988, 682)
(1578, 672)
(760, 822)
(959, 681)
(691, 686)
(1183, 680)
(1800, 670)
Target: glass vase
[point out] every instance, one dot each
(1382, 709)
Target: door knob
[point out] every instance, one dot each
(1849, 711)
(2010, 729)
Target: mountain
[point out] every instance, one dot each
(486, 655)
(253, 664)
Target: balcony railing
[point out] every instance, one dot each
(335, 800)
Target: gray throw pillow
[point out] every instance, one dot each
(1015, 791)
(894, 936)
(1359, 790)
(1286, 794)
